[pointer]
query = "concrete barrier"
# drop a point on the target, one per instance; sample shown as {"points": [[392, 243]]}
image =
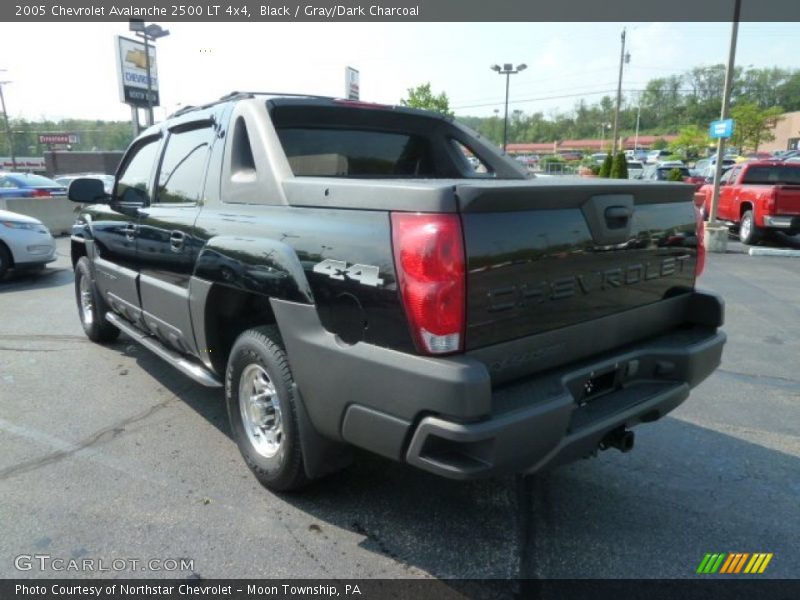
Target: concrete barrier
{"points": [[58, 214]]}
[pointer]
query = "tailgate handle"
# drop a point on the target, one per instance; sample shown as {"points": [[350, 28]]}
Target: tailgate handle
{"points": [[617, 216]]}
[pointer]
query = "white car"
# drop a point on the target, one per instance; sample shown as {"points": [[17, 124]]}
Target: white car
{"points": [[635, 169], [24, 242]]}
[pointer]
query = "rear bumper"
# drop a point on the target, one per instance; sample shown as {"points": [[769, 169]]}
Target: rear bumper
{"points": [[790, 222], [476, 415], [546, 421]]}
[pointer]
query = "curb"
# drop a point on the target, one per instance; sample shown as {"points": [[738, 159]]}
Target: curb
{"points": [[774, 252]]}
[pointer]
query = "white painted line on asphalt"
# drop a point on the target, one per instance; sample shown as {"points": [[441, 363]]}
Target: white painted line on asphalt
{"points": [[774, 252]]}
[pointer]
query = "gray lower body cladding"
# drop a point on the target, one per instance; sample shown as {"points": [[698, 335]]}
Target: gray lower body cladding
{"points": [[453, 417]]}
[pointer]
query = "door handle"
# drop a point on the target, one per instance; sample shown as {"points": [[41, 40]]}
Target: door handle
{"points": [[176, 240], [130, 232]]}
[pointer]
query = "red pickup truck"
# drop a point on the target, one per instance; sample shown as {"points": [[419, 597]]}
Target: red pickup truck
{"points": [[758, 197]]}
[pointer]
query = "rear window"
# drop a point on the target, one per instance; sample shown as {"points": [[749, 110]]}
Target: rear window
{"points": [[317, 152], [773, 175]]}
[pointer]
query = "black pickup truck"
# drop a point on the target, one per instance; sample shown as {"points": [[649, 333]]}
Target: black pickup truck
{"points": [[381, 277]]}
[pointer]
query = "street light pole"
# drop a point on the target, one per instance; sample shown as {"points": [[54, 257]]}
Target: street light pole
{"points": [[619, 94], [149, 33], [8, 127], [149, 80], [508, 70]]}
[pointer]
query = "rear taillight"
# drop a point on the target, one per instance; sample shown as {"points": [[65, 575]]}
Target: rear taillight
{"points": [[40, 194], [772, 200], [700, 265], [429, 259]]}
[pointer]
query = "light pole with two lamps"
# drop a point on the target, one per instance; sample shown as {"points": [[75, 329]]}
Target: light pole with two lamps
{"points": [[508, 70], [149, 33]]}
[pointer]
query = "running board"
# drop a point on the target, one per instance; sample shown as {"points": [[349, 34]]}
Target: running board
{"points": [[198, 373]]}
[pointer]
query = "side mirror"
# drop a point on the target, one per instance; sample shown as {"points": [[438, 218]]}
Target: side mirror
{"points": [[88, 190]]}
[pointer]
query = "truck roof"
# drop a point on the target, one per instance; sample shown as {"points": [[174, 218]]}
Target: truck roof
{"points": [[287, 99]]}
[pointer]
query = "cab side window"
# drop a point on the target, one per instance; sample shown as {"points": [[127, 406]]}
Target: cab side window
{"points": [[132, 186], [182, 172]]}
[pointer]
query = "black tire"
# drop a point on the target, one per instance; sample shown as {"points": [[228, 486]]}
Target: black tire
{"points": [[257, 357], [748, 232], [93, 317], [5, 260]]}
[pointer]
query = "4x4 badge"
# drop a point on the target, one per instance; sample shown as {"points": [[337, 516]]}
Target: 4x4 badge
{"points": [[338, 269]]}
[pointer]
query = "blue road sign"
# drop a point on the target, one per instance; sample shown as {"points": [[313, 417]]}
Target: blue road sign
{"points": [[721, 129]]}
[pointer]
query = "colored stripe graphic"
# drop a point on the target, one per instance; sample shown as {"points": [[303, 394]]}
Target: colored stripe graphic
{"points": [[726, 567], [740, 564], [734, 563], [703, 563], [765, 563], [711, 563]]}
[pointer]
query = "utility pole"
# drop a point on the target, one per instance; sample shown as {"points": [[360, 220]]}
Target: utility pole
{"points": [[8, 127], [726, 100], [638, 117], [622, 61]]}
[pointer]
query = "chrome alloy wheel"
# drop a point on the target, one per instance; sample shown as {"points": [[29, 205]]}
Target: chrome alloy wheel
{"points": [[87, 303], [260, 411], [745, 229]]}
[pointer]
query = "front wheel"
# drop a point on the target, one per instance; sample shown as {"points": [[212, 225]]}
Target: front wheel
{"points": [[749, 233], [262, 411], [92, 308]]}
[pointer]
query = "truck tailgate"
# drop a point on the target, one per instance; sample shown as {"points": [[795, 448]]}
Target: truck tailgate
{"points": [[542, 255], [787, 200]]}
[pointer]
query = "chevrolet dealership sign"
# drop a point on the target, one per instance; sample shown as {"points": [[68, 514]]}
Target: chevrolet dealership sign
{"points": [[132, 72]]}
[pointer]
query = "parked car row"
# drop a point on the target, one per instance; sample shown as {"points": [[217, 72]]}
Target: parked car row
{"points": [[30, 185]]}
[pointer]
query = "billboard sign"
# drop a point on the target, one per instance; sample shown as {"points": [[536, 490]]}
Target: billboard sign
{"points": [[132, 72], [351, 90]]}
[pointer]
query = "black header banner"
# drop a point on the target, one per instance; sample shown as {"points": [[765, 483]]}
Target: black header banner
{"points": [[399, 10]]}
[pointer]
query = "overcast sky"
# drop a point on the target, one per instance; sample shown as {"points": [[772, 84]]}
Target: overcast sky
{"points": [[61, 70]]}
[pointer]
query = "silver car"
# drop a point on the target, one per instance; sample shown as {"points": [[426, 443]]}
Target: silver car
{"points": [[24, 242]]}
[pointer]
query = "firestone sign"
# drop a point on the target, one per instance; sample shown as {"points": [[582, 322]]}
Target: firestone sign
{"points": [[58, 138], [132, 72]]}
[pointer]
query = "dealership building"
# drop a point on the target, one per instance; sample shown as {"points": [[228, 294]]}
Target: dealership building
{"points": [[786, 132]]}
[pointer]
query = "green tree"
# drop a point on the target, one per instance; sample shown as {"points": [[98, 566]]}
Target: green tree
{"points": [[660, 144], [605, 168], [753, 125], [619, 166], [422, 97], [691, 141]]}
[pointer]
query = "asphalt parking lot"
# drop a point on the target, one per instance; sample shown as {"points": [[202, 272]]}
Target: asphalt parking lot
{"points": [[107, 452]]}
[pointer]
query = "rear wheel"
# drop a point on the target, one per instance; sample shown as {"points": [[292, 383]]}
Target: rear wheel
{"points": [[262, 409], [92, 308], [748, 232]]}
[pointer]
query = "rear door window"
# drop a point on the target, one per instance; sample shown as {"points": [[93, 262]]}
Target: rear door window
{"points": [[182, 171]]}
